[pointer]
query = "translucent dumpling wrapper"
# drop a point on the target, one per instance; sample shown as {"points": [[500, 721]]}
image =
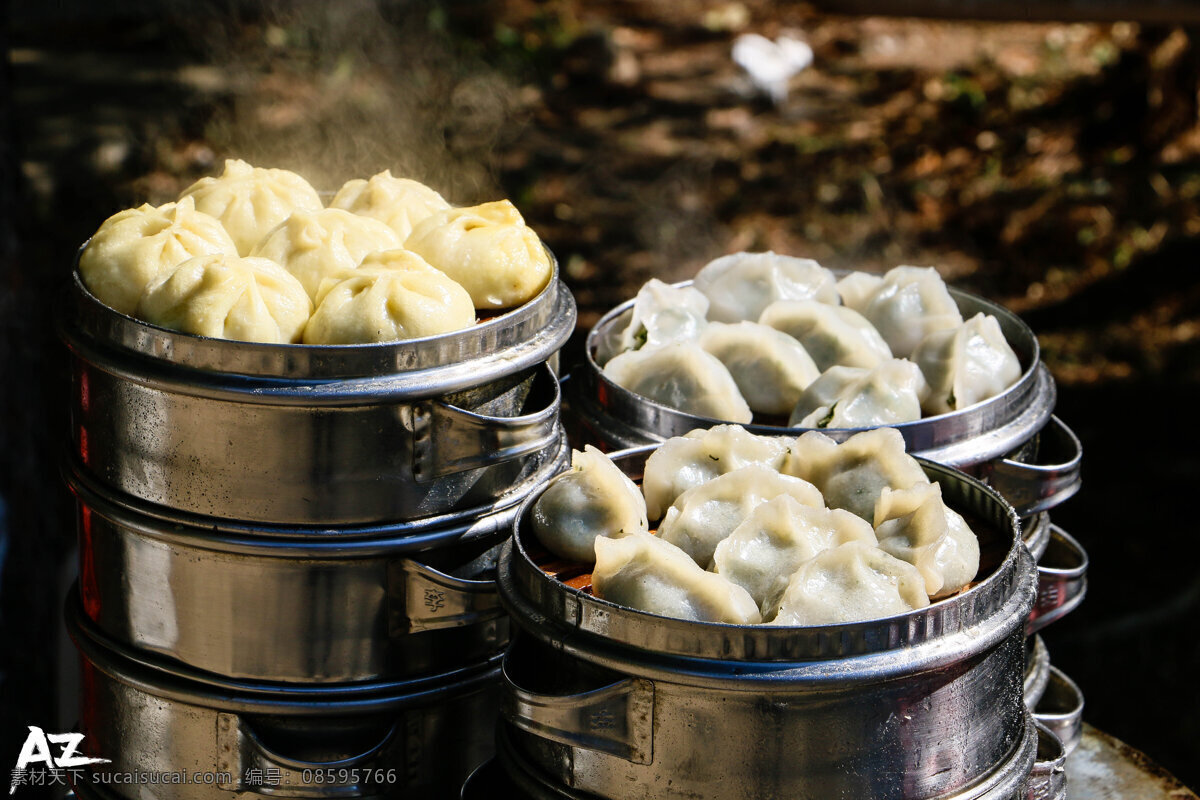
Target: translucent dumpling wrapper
{"points": [[857, 288], [966, 365], [779, 535], [664, 314], [853, 474], [392, 295], [740, 286], [849, 397], [682, 462], [852, 582], [317, 245], [908, 304], [915, 525], [770, 368], [399, 203], [135, 246], [832, 335], [643, 572], [487, 248], [681, 376], [704, 515], [592, 499], [251, 201], [228, 297]]}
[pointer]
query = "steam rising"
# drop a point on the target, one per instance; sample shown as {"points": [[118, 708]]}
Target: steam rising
{"points": [[344, 90]]}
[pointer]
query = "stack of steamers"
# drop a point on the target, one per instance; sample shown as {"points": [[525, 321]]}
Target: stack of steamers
{"points": [[287, 552], [290, 557]]}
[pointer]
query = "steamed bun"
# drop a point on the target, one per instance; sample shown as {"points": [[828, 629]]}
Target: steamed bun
{"points": [[250, 201], [135, 246], [313, 246], [399, 203], [227, 297], [488, 249], [392, 295]]}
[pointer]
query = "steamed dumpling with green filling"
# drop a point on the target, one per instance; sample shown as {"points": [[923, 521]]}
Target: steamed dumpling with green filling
{"points": [[848, 583], [916, 526], [251, 201], [488, 249], [740, 286], [135, 246], [771, 369], [591, 499], [704, 515], [849, 397], [643, 572], [832, 335], [313, 246], [851, 475], [682, 462], [400, 203], [682, 376], [966, 365], [228, 297], [905, 306], [392, 295]]}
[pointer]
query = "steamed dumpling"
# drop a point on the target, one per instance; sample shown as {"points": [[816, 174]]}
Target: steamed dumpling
{"points": [[849, 583], [314, 246], [251, 201], [135, 246], [682, 462], [488, 249], [663, 314], [771, 369], [704, 515], [593, 498], [908, 304], [916, 526], [779, 535], [399, 203], [966, 365], [832, 335], [392, 295], [227, 297], [851, 475], [848, 397], [643, 572], [857, 288], [740, 286], [681, 376]]}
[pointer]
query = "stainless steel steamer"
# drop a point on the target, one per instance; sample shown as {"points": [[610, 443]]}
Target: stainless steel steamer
{"points": [[621, 704], [1001, 440], [298, 604], [418, 738], [315, 435]]}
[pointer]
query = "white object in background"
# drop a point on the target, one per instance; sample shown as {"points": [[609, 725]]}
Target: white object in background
{"points": [[771, 64]]}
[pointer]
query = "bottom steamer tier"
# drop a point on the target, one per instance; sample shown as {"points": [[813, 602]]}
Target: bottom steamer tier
{"points": [[417, 738], [604, 701]]}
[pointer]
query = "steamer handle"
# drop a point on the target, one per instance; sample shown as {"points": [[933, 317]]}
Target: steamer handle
{"points": [[1061, 709], [617, 719], [1036, 487], [257, 768], [449, 439], [1048, 779], [432, 600], [1062, 580]]}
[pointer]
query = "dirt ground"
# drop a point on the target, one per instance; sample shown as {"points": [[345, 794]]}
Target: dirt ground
{"points": [[1054, 168]]}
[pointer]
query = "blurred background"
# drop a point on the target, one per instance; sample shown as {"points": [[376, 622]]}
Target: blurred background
{"points": [[1051, 166]]}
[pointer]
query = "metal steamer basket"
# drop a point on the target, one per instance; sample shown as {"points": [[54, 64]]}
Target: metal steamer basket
{"points": [[606, 701], [315, 435], [186, 735], [295, 605], [1011, 441]]}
